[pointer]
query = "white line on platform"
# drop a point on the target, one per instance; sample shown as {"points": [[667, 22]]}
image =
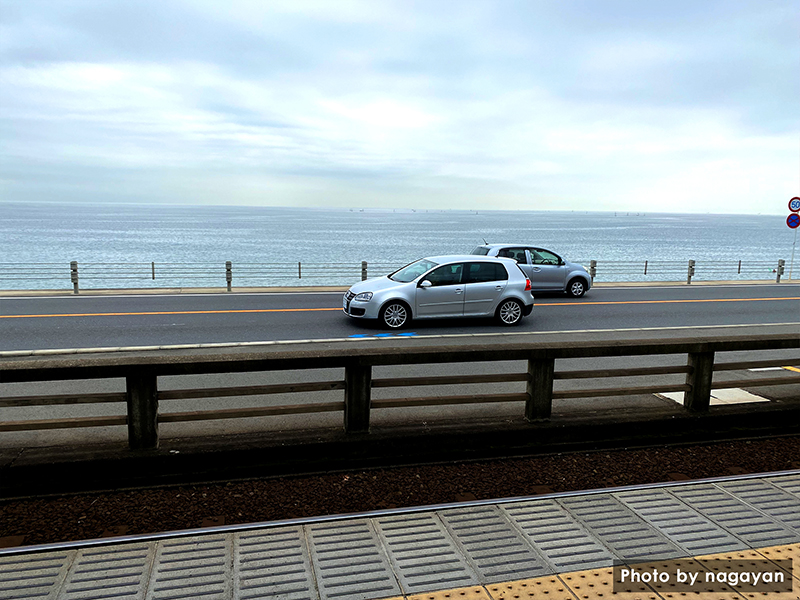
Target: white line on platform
{"points": [[52, 351]]}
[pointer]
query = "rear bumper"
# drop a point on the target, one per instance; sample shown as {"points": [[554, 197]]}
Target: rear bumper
{"points": [[528, 309]]}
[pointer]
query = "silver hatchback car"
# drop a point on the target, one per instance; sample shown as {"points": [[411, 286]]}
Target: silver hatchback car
{"points": [[547, 271], [443, 286]]}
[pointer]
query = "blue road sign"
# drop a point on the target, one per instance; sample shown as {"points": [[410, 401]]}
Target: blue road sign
{"points": [[793, 220], [794, 205]]}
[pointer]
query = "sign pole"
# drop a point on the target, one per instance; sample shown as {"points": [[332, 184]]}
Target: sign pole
{"points": [[793, 221]]}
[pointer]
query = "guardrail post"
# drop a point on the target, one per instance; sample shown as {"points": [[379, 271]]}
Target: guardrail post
{"points": [[228, 274], [363, 270], [781, 264], [645, 267], [299, 271], [690, 272], [540, 388], [142, 391], [357, 397], [73, 275], [592, 269], [701, 370], [153, 270]]}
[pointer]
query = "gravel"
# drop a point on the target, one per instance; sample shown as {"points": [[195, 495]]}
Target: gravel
{"points": [[87, 516]]}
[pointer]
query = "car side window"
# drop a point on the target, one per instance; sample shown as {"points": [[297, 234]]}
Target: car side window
{"points": [[543, 257], [485, 271], [518, 254], [446, 275]]}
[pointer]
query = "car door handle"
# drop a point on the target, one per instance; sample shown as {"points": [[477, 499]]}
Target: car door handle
{"points": [[458, 290], [536, 269], [498, 287]]}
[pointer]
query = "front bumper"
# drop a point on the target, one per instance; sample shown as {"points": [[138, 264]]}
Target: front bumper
{"points": [[358, 310]]}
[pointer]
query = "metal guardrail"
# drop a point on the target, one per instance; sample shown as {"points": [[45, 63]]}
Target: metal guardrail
{"points": [[249, 274], [142, 395]]}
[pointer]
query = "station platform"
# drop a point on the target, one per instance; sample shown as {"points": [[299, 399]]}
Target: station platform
{"points": [[556, 546]]}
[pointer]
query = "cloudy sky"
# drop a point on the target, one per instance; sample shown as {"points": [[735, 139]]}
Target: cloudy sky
{"points": [[668, 106]]}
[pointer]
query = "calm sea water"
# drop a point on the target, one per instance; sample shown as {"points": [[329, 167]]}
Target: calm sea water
{"points": [[266, 243]]}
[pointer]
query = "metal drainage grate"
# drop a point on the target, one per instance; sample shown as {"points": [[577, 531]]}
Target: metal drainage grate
{"points": [[115, 571], [496, 548], [788, 483], [740, 519], [423, 554], [36, 575], [273, 564], [198, 567], [767, 498], [557, 535], [628, 536], [679, 523], [349, 562]]}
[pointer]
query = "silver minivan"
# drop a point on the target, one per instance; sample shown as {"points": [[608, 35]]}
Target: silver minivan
{"points": [[443, 287], [547, 271]]}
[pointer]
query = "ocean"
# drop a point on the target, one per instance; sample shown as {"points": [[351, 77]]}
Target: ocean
{"points": [[123, 245]]}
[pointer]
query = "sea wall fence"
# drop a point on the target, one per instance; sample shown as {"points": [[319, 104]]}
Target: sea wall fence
{"points": [[697, 371], [90, 275]]}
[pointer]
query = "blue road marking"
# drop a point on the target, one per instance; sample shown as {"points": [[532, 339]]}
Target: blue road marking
{"points": [[384, 335]]}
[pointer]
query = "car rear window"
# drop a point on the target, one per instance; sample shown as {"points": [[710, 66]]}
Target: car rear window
{"points": [[479, 272], [481, 251]]}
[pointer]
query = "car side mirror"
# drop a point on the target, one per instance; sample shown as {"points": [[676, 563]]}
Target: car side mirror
{"points": [[425, 284]]}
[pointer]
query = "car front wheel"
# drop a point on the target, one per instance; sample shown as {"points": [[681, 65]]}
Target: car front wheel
{"points": [[576, 288], [395, 315], [509, 312]]}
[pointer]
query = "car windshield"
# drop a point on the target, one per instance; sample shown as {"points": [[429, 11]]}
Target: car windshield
{"points": [[481, 250], [411, 272]]}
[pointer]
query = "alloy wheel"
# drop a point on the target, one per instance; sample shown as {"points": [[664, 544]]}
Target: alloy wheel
{"points": [[395, 316], [510, 312]]}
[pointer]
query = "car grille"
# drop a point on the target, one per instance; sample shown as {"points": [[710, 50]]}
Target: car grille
{"points": [[349, 296]]}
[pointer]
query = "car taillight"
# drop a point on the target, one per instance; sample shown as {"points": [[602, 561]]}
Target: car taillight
{"points": [[527, 285]]}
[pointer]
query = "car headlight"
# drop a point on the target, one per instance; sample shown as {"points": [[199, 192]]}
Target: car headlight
{"points": [[364, 297]]}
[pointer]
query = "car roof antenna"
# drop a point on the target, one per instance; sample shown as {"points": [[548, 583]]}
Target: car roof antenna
{"points": [[485, 243]]}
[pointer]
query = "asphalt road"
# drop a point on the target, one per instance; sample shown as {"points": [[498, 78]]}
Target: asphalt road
{"points": [[29, 323]]}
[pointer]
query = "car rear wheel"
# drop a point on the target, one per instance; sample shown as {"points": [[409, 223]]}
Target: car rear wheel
{"points": [[576, 288], [395, 315], [509, 312]]}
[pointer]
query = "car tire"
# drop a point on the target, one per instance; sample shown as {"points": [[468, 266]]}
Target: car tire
{"points": [[509, 312], [395, 315], [576, 287]]}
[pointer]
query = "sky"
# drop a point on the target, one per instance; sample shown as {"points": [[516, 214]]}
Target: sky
{"points": [[668, 106]]}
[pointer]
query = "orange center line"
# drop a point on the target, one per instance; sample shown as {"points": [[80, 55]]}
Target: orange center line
{"points": [[279, 310], [171, 312], [666, 301]]}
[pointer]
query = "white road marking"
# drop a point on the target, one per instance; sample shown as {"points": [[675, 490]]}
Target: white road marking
{"points": [[719, 397], [11, 353]]}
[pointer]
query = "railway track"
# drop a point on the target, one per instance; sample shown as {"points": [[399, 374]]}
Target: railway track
{"points": [[57, 519]]}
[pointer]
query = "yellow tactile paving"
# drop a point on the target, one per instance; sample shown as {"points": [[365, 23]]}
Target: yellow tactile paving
{"points": [[475, 592], [599, 583], [669, 591], [782, 553], [540, 588]]}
